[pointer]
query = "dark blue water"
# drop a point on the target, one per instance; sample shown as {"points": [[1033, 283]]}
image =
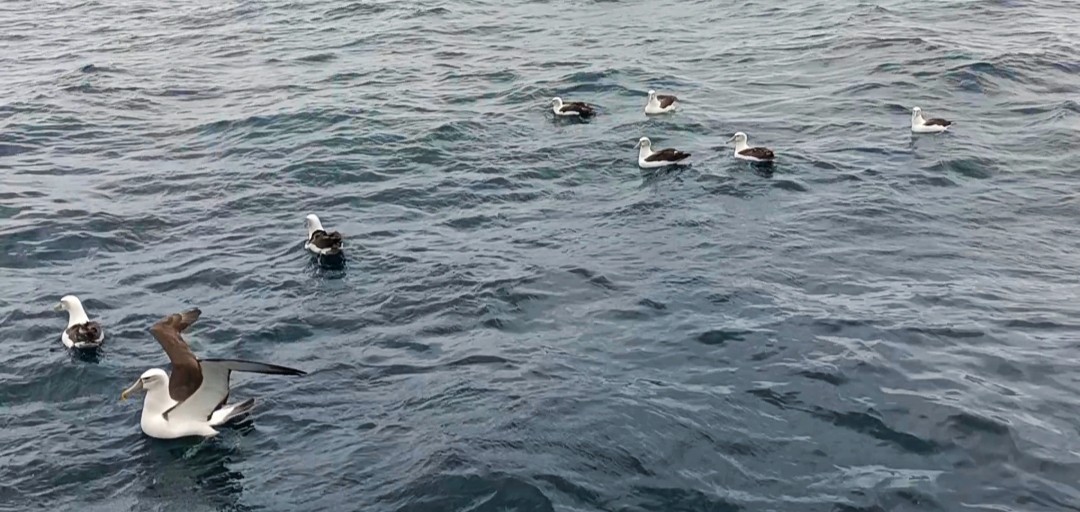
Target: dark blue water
{"points": [[527, 321]]}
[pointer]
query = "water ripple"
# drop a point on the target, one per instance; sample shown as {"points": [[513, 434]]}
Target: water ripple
{"points": [[525, 320]]}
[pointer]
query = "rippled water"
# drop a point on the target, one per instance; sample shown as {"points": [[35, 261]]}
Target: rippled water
{"points": [[527, 321]]}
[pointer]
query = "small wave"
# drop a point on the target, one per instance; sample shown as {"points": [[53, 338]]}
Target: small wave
{"points": [[355, 9], [593, 278], [318, 57], [93, 68], [664, 498], [88, 88], [871, 424], [14, 149], [832, 376], [721, 336], [469, 492], [790, 186], [974, 167], [913, 44], [431, 11]]}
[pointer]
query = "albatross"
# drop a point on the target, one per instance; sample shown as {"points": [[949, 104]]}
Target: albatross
{"points": [[80, 332], [649, 159], [745, 152], [922, 125], [660, 103], [191, 401], [571, 108], [319, 241]]}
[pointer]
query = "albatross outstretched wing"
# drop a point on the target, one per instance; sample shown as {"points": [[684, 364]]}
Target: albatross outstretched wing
{"points": [[200, 386], [214, 390], [186, 374]]}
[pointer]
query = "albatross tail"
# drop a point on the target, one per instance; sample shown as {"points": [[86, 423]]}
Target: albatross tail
{"points": [[225, 414]]}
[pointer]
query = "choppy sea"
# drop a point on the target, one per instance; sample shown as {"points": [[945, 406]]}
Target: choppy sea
{"points": [[527, 321]]}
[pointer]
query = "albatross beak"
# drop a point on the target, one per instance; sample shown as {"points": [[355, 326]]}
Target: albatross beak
{"points": [[731, 140], [134, 387], [58, 307]]}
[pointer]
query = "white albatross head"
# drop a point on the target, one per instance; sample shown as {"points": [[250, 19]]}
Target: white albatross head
{"points": [[153, 381], [643, 143], [76, 313], [652, 94], [557, 102], [313, 224], [740, 141], [916, 113]]}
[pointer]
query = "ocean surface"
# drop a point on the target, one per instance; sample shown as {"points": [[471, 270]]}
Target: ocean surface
{"points": [[528, 322]]}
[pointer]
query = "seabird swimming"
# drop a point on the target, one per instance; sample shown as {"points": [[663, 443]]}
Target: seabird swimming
{"points": [[190, 402], [649, 159], [319, 241], [922, 125], [573, 108], [80, 331], [745, 152], [660, 103]]}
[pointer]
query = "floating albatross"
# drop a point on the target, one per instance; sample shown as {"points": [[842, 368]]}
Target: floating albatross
{"points": [[572, 108], [745, 152], [319, 241], [649, 159], [660, 103], [191, 401], [919, 124], [80, 331]]}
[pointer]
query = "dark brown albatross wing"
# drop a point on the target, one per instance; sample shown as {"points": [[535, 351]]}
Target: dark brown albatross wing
{"points": [[88, 333], [667, 155], [759, 153], [583, 109], [186, 374], [323, 240], [666, 100], [937, 121]]}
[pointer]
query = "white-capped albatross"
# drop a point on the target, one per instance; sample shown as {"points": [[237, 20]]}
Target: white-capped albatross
{"points": [[649, 159], [191, 401], [919, 124], [80, 332], [745, 152], [660, 103], [571, 108], [319, 241]]}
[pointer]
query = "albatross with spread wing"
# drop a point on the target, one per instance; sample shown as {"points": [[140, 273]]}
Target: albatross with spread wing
{"points": [[191, 401]]}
